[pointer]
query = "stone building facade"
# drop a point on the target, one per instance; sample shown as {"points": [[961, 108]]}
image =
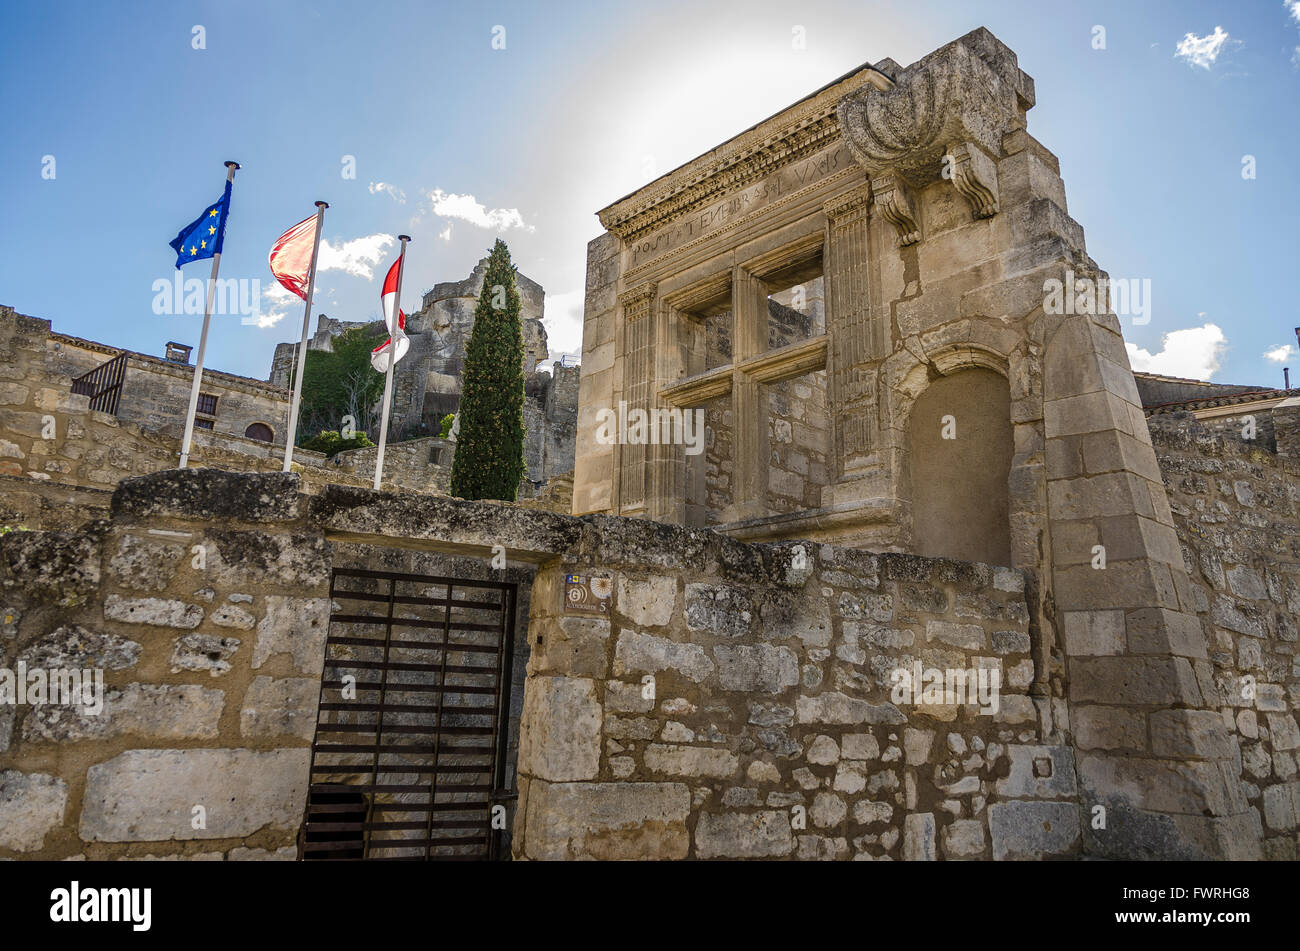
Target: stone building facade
{"points": [[1065, 631], [155, 391]]}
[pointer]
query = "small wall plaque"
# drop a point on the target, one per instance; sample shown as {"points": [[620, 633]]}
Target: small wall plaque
{"points": [[587, 594]]}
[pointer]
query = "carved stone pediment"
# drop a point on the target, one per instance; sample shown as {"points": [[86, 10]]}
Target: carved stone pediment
{"points": [[954, 97]]}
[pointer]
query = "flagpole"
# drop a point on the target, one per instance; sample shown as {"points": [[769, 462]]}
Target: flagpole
{"points": [[392, 361], [302, 346], [203, 342]]}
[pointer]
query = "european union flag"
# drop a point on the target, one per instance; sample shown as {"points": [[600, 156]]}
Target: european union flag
{"points": [[202, 237]]}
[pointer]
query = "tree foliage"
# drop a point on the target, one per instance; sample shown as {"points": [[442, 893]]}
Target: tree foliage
{"points": [[489, 459], [341, 382]]}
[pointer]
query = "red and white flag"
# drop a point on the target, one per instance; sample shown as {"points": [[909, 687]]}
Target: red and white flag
{"points": [[290, 257], [379, 356]]}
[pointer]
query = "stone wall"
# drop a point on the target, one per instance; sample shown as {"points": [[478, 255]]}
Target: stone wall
{"points": [[423, 465], [771, 666], [1236, 509], [743, 709], [212, 668]]}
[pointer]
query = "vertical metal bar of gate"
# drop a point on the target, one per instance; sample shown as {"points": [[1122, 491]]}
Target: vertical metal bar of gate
{"points": [[501, 739], [368, 828], [437, 723]]}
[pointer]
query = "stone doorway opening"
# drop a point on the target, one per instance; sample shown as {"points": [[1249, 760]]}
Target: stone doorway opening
{"points": [[410, 758]]}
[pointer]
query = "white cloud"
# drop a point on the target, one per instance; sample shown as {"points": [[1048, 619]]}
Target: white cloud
{"points": [[357, 257], [1293, 7], [468, 208], [1201, 50], [563, 322], [276, 304], [445, 233], [1280, 354], [1194, 352], [390, 189]]}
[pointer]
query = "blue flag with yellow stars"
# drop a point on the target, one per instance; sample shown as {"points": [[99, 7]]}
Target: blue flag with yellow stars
{"points": [[202, 237]]}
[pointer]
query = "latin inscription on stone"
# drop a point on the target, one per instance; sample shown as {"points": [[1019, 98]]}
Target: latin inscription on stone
{"points": [[778, 185]]}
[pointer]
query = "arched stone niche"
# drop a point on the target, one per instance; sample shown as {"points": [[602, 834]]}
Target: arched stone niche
{"points": [[959, 451]]}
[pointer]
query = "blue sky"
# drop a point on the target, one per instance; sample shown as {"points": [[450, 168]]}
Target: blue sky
{"points": [[586, 102]]}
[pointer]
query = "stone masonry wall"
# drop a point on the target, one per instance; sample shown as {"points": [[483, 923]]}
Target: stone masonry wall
{"points": [[742, 709], [209, 627], [1236, 508]]}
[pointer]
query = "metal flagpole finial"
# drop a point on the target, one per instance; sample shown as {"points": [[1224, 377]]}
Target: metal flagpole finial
{"points": [[233, 165], [403, 237], [322, 204]]}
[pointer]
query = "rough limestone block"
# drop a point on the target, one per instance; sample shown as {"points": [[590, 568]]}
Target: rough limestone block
{"points": [[963, 838], [574, 646], [836, 708], [916, 745], [757, 668], [31, 806], [76, 647], [719, 609], [643, 652], [744, 835], [1033, 830], [824, 751], [156, 711], [691, 761], [144, 565], [1092, 633], [294, 626], [203, 652], [160, 612], [1191, 734], [560, 729], [1108, 728], [150, 795], [621, 697], [918, 837], [280, 707], [647, 603], [1283, 732], [1279, 809], [965, 636], [1038, 772], [229, 615], [606, 821]]}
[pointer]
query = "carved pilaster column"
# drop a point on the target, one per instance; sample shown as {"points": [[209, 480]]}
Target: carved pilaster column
{"points": [[636, 392], [857, 340], [749, 315], [666, 461]]}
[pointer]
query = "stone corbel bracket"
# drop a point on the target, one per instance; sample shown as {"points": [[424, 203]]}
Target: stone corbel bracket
{"points": [[975, 175], [891, 196]]}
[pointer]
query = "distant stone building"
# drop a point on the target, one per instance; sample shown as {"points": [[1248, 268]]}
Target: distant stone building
{"points": [[427, 382], [155, 391]]}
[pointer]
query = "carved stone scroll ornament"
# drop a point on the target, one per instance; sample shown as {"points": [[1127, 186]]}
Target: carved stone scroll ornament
{"points": [[951, 96]]}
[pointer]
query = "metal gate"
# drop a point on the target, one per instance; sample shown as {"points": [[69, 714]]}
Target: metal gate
{"points": [[410, 749]]}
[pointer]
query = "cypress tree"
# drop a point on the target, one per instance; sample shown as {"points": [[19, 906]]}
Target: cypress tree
{"points": [[489, 459]]}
